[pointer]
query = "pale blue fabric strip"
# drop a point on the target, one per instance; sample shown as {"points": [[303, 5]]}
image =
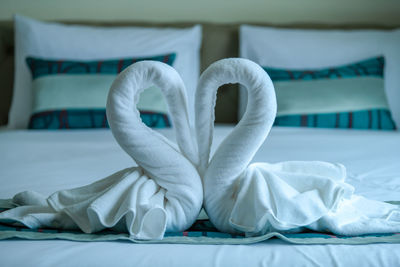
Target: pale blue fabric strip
{"points": [[330, 96], [54, 92]]}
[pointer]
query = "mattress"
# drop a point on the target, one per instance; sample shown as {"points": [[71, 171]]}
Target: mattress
{"points": [[46, 161]]}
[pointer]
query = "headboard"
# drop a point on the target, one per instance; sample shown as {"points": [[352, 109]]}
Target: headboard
{"points": [[219, 41]]}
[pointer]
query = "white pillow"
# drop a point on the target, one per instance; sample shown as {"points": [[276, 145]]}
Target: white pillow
{"points": [[77, 42], [307, 49]]}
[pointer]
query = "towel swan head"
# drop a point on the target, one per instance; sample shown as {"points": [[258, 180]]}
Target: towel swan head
{"points": [[124, 95], [172, 169], [221, 175]]}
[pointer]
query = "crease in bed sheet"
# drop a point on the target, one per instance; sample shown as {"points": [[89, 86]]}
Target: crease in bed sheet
{"points": [[272, 254], [197, 238]]}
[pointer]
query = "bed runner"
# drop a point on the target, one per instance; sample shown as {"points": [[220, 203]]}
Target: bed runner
{"points": [[201, 232]]}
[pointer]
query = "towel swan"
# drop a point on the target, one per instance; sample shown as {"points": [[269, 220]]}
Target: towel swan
{"points": [[163, 194], [262, 197], [173, 170]]}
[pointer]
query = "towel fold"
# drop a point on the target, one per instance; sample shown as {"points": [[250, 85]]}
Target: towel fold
{"points": [[260, 197], [164, 193]]}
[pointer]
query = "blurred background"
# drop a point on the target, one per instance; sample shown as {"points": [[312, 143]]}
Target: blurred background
{"points": [[385, 12]]}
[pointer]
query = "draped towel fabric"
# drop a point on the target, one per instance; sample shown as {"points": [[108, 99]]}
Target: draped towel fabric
{"points": [[260, 197]]}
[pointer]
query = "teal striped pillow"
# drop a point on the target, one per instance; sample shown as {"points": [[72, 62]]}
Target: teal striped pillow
{"points": [[350, 96], [72, 94]]}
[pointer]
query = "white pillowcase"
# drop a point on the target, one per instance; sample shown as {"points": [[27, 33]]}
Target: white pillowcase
{"points": [[77, 42], [310, 49]]}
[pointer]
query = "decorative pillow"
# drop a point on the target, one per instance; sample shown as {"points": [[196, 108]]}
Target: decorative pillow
{"points": [[73, 94], [317, 49], [350, 96], [87, 43]]}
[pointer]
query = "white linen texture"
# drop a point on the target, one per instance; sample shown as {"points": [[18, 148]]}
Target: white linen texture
{"points": [[262, 197], [315, 49], [165, 193], [52, 40]]}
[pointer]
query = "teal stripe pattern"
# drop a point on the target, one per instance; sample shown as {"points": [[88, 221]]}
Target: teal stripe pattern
{"points": [[201, 232], [376, 119], [87, 118], [370, 67], [41, 67], [372, 119]]}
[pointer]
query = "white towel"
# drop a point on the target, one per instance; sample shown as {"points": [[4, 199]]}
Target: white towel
{"points": [[163, 194], [262, 197]]}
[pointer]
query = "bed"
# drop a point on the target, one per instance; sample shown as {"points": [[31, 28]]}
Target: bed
{"points": [[77, 158], [46, 161]]}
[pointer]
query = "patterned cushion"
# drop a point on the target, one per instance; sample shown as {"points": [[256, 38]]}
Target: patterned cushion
{"points": [[73, 94], [350, 96]]}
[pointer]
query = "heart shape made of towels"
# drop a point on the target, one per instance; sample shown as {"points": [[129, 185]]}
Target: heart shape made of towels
{"points": [[165, 192], [258, 198]]}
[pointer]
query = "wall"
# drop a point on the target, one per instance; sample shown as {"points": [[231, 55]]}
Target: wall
{"points": [[384, 12]]}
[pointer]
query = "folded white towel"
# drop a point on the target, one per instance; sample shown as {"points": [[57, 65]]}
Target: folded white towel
{"points": [[262, 197], [163, 194]]}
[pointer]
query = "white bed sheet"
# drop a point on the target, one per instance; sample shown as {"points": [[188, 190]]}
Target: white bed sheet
{"points": [[46, 161]]}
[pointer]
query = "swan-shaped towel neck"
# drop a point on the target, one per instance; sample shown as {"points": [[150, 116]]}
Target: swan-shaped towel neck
{"points": [[124, 118], [259, 115]]}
